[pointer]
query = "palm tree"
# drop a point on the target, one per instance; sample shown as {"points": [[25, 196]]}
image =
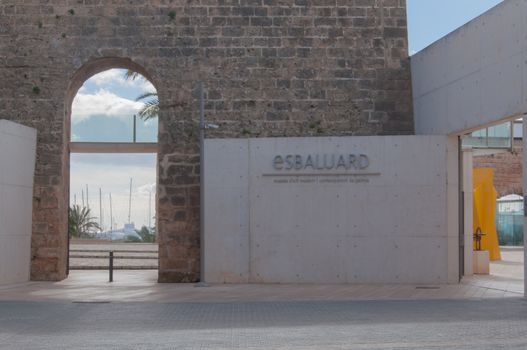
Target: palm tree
{"points": [[80, 221], [150, 109], [146, 234], [150, 99]]}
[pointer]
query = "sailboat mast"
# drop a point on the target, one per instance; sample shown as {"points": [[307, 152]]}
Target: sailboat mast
{"points": [[150, 209], [100, 208], [111, 213], [130, 203]]}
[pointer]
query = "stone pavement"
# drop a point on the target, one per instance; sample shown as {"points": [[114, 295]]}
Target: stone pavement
{"points": [[324, 325], [506, 274], [142, 286], [135, 312]]}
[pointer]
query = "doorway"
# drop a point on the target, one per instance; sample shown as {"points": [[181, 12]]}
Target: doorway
{"points": [[493, 187], [113, 161]]}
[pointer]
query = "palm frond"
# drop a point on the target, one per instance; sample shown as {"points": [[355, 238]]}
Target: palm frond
{"points": [[131, 75], [150, 109], [146, 95], [81, 222]]}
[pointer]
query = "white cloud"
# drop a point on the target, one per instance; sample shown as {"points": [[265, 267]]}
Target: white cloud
{"points": [[145, 190], [108, 77], [103, 102], [116, 76]]}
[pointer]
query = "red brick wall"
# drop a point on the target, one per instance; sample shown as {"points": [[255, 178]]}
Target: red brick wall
{"points": [[508, 171]]}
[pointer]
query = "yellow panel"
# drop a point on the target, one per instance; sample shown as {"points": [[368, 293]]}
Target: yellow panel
{"points": [[485, 196]]}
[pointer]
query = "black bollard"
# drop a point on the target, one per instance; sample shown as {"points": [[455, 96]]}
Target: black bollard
{"points": [[111, 266]]}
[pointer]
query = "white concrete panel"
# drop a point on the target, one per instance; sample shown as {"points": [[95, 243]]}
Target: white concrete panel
{"points": [[468, 192], [14, 261], [430, 111], [16, 203], [501, 88], [474, 76], [226, 211], [388, 225], [398, 260], [15, 150], [452, 208], [17, 166]]}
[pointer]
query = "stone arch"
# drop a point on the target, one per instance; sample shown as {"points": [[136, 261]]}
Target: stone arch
{"points": [[93, 67], [84, 73]]}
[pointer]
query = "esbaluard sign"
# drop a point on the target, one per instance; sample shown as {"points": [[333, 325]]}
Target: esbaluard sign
{"points": [[321, 162], [321, 169]]}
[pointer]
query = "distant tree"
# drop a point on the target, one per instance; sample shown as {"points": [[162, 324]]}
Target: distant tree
{"points": [[81, 223], [150, 99], [132, 239], [146, 234]]}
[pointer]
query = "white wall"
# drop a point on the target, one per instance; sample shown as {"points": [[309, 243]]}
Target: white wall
{"points": [[17, 167], [468, 201], [392, 228], [474, 76]]}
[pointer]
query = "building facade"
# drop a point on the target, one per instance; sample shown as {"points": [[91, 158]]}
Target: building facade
{"points": [[270, 69]]}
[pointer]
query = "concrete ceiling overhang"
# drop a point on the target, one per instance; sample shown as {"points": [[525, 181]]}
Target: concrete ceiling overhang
{"points": [[474, 77]]}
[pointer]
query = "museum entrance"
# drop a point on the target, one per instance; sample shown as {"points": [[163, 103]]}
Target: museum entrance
{"points": [[494, 207], [112, 178]]}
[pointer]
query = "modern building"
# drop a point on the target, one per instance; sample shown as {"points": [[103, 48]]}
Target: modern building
{"points": [[337, 159]]}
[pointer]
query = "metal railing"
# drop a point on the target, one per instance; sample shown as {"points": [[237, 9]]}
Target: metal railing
{"points": [[112, 255]]}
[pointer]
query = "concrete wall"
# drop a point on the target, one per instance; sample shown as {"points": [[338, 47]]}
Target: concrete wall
{"points": [[474, 76], [468, 210], [17, 168], [393, 222]]}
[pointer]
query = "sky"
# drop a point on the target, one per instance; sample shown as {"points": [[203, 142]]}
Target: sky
{"points": [[430, 20], [103, 110], [104, 106]]}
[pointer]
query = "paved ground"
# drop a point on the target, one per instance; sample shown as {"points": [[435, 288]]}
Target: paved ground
{"points": [[511, 264], [506, 274], [436, 324], [135, 312], [142, 286]]}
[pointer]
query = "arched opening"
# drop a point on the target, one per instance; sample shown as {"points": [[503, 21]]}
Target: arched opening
{"points": [[111, 133]]}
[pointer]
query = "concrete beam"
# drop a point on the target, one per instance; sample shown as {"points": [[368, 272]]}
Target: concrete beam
{"points": [[113, 147], [474, 77]]}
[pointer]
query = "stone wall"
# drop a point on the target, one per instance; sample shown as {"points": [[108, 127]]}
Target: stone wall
{"points": [[507, 171], [270, 68]]}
